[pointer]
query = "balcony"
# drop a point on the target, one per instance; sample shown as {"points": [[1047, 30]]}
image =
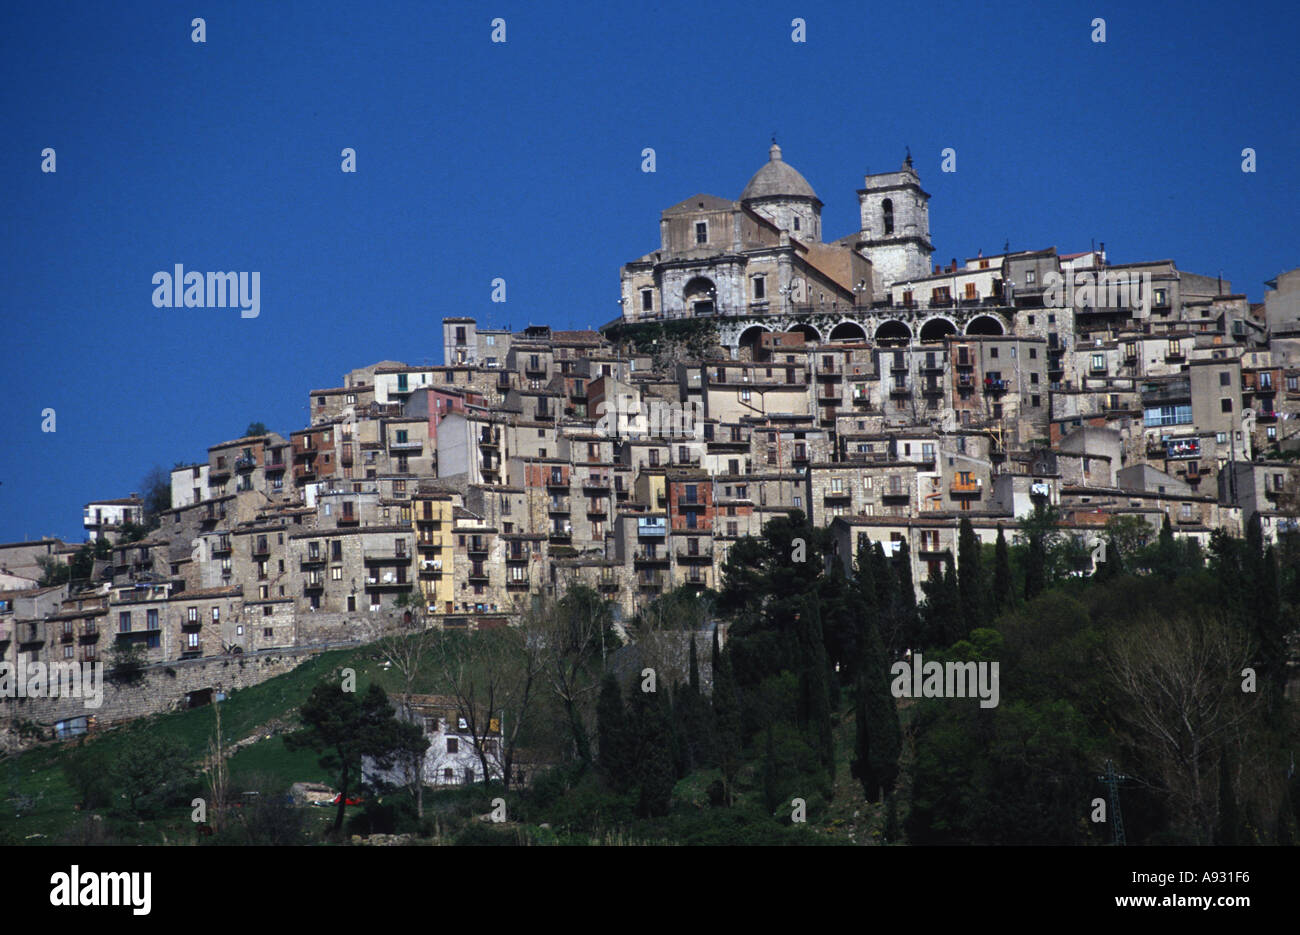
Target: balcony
{"points": [[220, 470], [244, 464], [1174, 356], [965, 361], [416, 445], [895, 494], [650, 583], [657, 527], [597, 508], [476, 545], [607, 583], [388, 580], [837, 495], [261, 547], [995, 386], [558, 508], [221, 547], [311, 561], [385, 557], [971, 488], [647, 557], [932, 388], [900, 391], [479, 575], [686, 556], [517, 584], [314, 583], [558, 480], [492, 440], [544, 415], [349, 519], [561, 536], [431, 567], [1265, 415], [596, 483]]}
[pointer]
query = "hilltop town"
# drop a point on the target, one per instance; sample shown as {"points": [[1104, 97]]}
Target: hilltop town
{"points": [[756, 369]]}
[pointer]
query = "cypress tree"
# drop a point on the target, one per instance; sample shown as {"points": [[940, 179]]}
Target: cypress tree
{"points": [[814, 690], [1035, 566], [908, 620], [694, 668], [726, 717], [613, 736], [879, 740], [970, 578], [657, 773], [1004, 592]]}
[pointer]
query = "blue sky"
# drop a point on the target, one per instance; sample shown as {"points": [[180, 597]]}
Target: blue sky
{"points": [[522, 160]]}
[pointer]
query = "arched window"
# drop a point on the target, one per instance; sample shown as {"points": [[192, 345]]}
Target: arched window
{"points": [[887, 210]]}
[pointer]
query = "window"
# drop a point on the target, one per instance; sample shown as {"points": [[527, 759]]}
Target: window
{"points": [[1031, 276], [887, 215], [193, 615], [453, 745], [1223, 378], [1225, 405], [701, 232], [796, 222], [760, 288], [647, 300], [124, 622]]}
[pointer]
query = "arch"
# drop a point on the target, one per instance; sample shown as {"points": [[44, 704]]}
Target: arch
{"points": [[984, 324], [848, 331], [810, 334], [936, 329], [893, 332], [752, 338], [700, 295]]}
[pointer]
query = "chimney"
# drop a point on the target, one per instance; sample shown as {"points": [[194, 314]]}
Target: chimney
{"points": [[937, 269]]}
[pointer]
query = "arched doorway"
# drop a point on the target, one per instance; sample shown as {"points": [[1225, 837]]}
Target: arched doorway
{"points": [[893, 333], [701, 296], [984, 324], [936, 329], [848, 331]]}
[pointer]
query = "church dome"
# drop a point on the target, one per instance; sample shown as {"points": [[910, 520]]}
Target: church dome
{"points": [[777, 179]]}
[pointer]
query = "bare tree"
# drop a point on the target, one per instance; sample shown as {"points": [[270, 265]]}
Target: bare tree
{"points": [[571, 634], [1181, 701], [493, 676], [406, 646], [218, 778]]}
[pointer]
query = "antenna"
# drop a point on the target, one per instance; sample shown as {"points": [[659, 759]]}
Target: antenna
{"points": [[1112, 781]]}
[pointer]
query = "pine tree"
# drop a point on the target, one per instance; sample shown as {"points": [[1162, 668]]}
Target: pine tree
{"points": [[612, 735], [970, 579], [1004, 592]]}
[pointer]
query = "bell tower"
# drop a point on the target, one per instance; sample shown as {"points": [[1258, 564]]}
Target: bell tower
{"points": [[895, 233]]}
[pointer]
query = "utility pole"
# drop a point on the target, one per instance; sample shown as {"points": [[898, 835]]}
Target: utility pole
{"points": [[1112, 781]]}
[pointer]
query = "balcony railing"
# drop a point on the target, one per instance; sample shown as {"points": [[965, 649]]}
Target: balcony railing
{"points": [[646, 557], [415, 445], [971, 488], [245, 464]]}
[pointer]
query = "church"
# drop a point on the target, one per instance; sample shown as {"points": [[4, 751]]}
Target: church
{"points": [[764, 253]]}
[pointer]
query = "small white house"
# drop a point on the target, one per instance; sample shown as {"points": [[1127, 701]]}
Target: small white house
{"points": [[452, 758]]}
